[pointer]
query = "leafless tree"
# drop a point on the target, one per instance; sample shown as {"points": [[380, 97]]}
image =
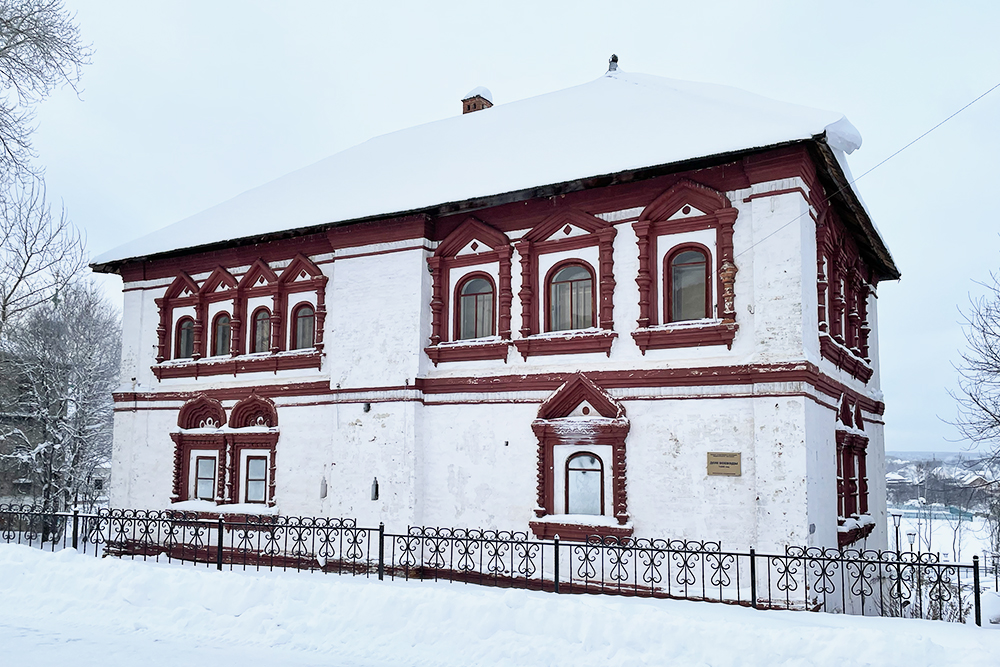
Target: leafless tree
{"points": [[979, 372], [60, 369], [40, 49], [39, 254]]}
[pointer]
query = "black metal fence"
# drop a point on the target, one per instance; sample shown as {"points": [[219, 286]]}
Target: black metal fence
{"points": [[879, 583]]}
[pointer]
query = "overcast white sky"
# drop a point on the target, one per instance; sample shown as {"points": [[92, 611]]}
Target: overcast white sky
{"points": [[186, 104]]}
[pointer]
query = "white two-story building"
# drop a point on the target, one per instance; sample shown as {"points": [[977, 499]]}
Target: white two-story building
{"points": [[637, 306]]}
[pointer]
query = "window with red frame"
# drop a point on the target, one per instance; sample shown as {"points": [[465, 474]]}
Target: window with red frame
{"points": [[204, 473], [184, 348], [584, 484], [475, 309], [256, 480], [571, 298], [852, 479], [303, 327], [687, 286], [261, 335], [221, 334]]}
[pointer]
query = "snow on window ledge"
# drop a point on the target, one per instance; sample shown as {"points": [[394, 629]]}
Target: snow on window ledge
{"points": [[578, 341], [695, 333], [246, 363]]}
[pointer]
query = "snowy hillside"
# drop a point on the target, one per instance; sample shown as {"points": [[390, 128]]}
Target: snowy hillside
{"points": [[65, 608]]}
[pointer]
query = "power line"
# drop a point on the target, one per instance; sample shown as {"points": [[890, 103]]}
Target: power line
{"points": [[852, 182]]}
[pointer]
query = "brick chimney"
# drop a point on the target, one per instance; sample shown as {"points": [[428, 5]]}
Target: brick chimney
{"points": [[477, 99]]}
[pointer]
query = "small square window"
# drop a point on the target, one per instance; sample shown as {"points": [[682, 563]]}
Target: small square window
{"points": [[256, 480], [205, 478]]}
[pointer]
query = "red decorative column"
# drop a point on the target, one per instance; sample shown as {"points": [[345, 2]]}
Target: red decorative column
{"points": [[200, 313], [277, 321], [437, 299], [607, 262], [644, 277], [162, 329], [236, 324], [526, 293], [320, 311], [727, 263], [506, 293]]}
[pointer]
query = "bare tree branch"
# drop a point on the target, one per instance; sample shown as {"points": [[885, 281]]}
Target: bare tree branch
{"points": [[40, 49], [39, 254]]}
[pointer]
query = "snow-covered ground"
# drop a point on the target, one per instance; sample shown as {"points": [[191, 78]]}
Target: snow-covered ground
{"points": [[67, 608]]}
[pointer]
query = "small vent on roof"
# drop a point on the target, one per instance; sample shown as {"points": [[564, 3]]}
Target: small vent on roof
{"points": [[477, 99], [613, 63]]}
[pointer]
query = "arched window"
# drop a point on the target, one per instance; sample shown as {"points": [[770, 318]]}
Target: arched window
{"points": [[303, 324], [184, 348], [221, 331], [260, 336], [571, 298], [475, 309], [687, 286], [584, 485]]}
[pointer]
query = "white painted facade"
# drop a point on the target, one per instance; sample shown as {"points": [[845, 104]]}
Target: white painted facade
{"points": [[469, 458]]}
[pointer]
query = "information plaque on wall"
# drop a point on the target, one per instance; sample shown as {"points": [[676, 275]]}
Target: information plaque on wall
{"points": [[726, 464]]}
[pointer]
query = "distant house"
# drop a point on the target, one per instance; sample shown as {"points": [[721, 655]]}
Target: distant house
{"points": [[638, 306]]}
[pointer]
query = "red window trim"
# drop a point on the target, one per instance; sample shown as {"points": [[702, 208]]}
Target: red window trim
{"points": [[569, 458], [547, 301], [252, 340], [247, 480], [229, 445], [655, 222], [177, 337], [301, 275], [844, 282], [495, 248], [294, 329], [215, 333], [550, 430], [668, 278], [214, 477], [457, 300]]}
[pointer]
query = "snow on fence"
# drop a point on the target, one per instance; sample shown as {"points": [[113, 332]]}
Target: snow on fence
{"points": [[880, 583]]}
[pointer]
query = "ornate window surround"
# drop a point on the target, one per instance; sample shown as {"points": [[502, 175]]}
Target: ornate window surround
{"points": [[300, 276], [608, 427], [668, 277], [547, 286], [252, 429], [457, 300], [843, 282], [544, 238], [461, 249], [671, 213]]}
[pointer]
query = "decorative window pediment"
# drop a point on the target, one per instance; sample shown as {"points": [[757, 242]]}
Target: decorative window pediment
{"points": [[473, 249], [568, 230], [254, 410], [301, 268], [258, 275], [201, 412], [220, 281], [581, 431], [687, 208], [183, 286], [577, 393]]}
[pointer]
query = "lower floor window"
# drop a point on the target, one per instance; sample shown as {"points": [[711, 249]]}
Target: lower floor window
{"points": [[205, 478], [256, 479], [584, 485], [225, 468], [852, 476]]}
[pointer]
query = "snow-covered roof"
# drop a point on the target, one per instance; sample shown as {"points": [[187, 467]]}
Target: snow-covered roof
{"points": [[618, 122], [481, 91]]}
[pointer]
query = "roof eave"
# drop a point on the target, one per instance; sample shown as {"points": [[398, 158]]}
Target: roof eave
{"points": [[836, 182]]}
